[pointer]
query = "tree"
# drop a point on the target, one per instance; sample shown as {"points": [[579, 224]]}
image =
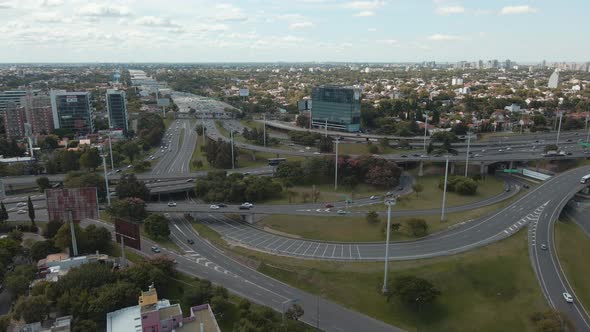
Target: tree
{"points": [[90, 159], [418, 227], [131, 208], [302, 121], [412, 291], [418, 188], [294, 312], [3, 212], [18, 280], [156, 226], [130, 186], [130, 149], [552, 321], [372, 217], [32, 308], [550, 147], [31, 209], [41, 249], [52, 227], [85, 325], [84, 179], [43, 183]]}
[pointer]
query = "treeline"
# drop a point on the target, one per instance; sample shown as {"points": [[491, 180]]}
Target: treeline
{"points": [[217, 186], [351, 172], [459, 184], [218, 153], [150, 130], [257, 136]]}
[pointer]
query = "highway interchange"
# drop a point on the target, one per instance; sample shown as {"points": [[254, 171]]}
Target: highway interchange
{"points": [[537, 209]]}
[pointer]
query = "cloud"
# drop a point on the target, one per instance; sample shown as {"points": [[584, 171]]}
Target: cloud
{"points": [[51, 3], [152, 21], [372, 29], [365, 5], [387, 41], [441, 37], [524, 9], [449, 10], [6, 5], [290, 17], [104, 10], [230, 13], [301, 25], [51, 17], [365, 13]]}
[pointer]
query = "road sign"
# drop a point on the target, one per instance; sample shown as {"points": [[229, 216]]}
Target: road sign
{"points": [[508, 170], [584, 144]]}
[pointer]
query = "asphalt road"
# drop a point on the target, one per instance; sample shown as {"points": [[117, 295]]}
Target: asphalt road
{"points": [[179, 150]]}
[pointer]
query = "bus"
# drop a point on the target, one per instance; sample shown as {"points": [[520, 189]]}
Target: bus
{"points": [[585, 179]]}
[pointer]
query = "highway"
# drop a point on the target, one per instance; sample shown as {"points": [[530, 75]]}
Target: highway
{"points": [[179, 150]]}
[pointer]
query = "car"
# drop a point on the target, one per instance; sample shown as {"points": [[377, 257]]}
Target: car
{"points": [[301, 151], [415, 155], [242, 207], [156, 249], [171, 204], [568, 297], [476, 155], [152, 158], [221, 205], [316, 152], [389, 193], [247, 204], [246, 173], [526, 186], [404, 156], [508, 148], [342, 212], [374, 197], [21, 211], [400, 188], [190, 241], [500, 150], [190, 180], [543, 246], [507, 189], [328, 206], [21, 204], [129, 166], [483, 150], [214, 207], [569, 153], [569, 140], [118, 171]]}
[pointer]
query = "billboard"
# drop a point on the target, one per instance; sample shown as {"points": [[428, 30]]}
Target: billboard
{"points": [[163, 102], [244, 92], [130, 232], [82, 202]]}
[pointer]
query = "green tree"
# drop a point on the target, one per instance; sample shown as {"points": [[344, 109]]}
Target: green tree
{"points": [[43, 183], [417, 227], [550, 147], [18, 280], [418, 188], [130, 149], [3, 212], [85, 325], [52, 227], [372, 217], [130, 186], [32, 308], [41, 249], [90, 159], [31, 209], [294, 312], [552, 321], [132, 209], [156, 226], [412, 291], [84, 179]]}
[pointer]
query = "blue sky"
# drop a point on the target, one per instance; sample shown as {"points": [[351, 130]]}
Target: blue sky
{"points": [[293, 30]]}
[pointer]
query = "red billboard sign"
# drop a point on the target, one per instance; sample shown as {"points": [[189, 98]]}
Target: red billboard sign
{"points": [[82, 202], [130, 232]]}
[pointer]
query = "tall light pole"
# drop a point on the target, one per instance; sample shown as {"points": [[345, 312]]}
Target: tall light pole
{"points": [[559, 128], [264, 128], [467, 158], [106, 177], [442, 217], [425, 130], [336, 165], [588, 129], [390, 202], [231, 138], [111, 150]]}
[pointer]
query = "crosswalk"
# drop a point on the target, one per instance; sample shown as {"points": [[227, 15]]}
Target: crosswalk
{"points": [[531, 218], [197, 258]]}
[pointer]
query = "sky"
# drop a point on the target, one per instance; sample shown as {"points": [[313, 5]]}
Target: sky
{"points": [[293, 30]]}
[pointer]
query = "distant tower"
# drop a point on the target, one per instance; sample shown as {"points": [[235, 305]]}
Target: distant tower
{"points": [[553, 80]]}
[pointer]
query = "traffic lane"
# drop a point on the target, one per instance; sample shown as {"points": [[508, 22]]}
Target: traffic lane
{"points": [[171, 147], [333, 317]]}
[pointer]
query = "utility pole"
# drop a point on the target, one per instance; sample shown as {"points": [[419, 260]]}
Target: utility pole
{"points": [[72, 232], [390, 202], [264, 130], [559, 128], [425, 130], [467, 158], [231, 137], [111, 149], [336, 165], [442, 217], [318, 312], [326, 129], [588, 129], [106, 177]]}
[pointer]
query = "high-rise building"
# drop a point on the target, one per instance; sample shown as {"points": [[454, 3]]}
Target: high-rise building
{"points": [[507, 64], [553, 80], [71, 111], [117, 109], [337, 107], [14, 121], [11, 97], [38, 112]]}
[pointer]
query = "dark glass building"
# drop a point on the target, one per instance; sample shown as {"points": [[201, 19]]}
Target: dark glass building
{"points": [[71, 111], [117, 108], [338, 107]]}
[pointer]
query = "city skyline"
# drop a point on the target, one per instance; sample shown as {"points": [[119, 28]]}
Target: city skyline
{"points": [[301, 31]]}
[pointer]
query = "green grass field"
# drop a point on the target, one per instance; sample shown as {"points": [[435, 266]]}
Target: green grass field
{"points": [[357, 229], [199, 155], [363, 148], [572, 242], [488, 289], [327, 193]]}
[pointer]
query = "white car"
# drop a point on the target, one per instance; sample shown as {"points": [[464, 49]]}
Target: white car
{"points": [[246, 204], [129, 166], [568, 297], [341, 212], [374, 197], [316, 152], [171, 204], [21, 211], [21, 204], [214, 207]]}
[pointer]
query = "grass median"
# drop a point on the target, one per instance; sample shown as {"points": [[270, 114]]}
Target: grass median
{"points": [[492, 288], [572, 242]]}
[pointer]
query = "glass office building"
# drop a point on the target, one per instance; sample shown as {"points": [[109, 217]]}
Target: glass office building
{"points": [[117, 108], [72, 112], [337, 107]]}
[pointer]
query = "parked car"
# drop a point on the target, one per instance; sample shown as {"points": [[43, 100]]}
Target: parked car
{"points": [[156, 249], [190, 180]]}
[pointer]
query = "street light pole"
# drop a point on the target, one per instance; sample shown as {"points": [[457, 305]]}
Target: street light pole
{"points": [[425, 130], [559, 128], [442, 217], [106, 177], [336, 165], [231, 137], [588, 129], [111, 150], [389, 202], [264, 130], [467, 158]]}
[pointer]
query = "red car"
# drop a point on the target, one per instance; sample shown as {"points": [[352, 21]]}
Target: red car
{"points": [[328, 206]]}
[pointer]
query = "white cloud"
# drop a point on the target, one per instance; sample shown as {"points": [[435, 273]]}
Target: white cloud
{"points": [[387, 41], [51, 3], [524, 9], [51, 17], [441, 37], [301, 25], [104, 10], [229, 13], [450, 10], [365, 5], [290, 17], [152, 21], [6, 5], [372, 29], [365, 13]]}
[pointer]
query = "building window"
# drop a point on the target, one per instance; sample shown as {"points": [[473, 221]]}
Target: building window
{"points": [[144, 317]]}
